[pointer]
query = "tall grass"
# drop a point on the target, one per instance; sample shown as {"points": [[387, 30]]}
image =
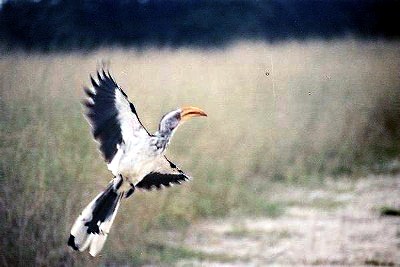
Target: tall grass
{"points": [[288, 112]]}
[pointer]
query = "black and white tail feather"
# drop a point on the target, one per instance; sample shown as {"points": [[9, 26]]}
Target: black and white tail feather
{"points": [[91, 228], [115, 123]]}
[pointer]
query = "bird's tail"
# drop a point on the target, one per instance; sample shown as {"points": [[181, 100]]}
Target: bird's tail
{"points": [[91, 228]]}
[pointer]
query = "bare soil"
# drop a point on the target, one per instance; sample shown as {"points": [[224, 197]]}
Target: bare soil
{"points": [[337, 224]]}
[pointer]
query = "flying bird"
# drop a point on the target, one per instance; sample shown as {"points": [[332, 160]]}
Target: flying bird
{"points": [[133, 155]]}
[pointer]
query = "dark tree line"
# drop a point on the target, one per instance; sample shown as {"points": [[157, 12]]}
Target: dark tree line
{"points": [[51, 25]]}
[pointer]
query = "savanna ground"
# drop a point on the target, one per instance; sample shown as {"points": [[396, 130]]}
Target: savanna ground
{"points": [[292, 130], [338, 223]]}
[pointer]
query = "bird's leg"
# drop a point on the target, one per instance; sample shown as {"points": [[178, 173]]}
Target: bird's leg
{"points": [[131, 189], [123, 185], [117, 182]]}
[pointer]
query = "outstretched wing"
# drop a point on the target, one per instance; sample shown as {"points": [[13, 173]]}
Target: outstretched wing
{"points": [[166, 175], [113, 118]]}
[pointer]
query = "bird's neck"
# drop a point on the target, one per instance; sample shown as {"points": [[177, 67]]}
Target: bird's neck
{"points": [[162, 139]]}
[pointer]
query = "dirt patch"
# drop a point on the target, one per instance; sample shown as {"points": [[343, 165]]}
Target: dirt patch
{"points": [[347, 229]]}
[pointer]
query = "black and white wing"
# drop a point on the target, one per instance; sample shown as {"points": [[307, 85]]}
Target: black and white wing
{"points": [[113, 118], [165, 175]]}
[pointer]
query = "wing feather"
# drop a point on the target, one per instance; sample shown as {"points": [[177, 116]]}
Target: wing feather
{"points": [[113, 118], [167, 175]]}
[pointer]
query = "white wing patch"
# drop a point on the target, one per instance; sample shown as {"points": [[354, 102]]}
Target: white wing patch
{"points": [[130, 126]]}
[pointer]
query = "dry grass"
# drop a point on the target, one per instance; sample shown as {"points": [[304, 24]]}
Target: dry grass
{"points": [[311, 115]]}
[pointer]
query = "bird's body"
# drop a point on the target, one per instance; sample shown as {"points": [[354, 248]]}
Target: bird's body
{"points": [[134, 160], [133, 155]]}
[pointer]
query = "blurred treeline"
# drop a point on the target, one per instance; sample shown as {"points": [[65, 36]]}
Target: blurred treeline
{"points": [[67, 25]]}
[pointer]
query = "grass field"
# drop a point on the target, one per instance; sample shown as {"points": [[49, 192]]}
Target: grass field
{"points": [[290, 112]]}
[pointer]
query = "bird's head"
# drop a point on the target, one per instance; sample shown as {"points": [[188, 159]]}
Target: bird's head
{"points": [[170, 121]]}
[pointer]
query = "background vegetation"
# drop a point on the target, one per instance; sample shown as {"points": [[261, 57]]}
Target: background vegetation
{"points": [[293, 112], [69, 25]]}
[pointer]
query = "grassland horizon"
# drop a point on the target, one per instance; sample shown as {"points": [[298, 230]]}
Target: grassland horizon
{"points": [[292, 112]]}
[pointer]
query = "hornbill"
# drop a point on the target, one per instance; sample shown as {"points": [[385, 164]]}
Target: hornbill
{"points": [[133, 155]]}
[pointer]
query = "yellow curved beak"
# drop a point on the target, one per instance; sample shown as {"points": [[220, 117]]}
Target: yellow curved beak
{"points": [[190, 112]]}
